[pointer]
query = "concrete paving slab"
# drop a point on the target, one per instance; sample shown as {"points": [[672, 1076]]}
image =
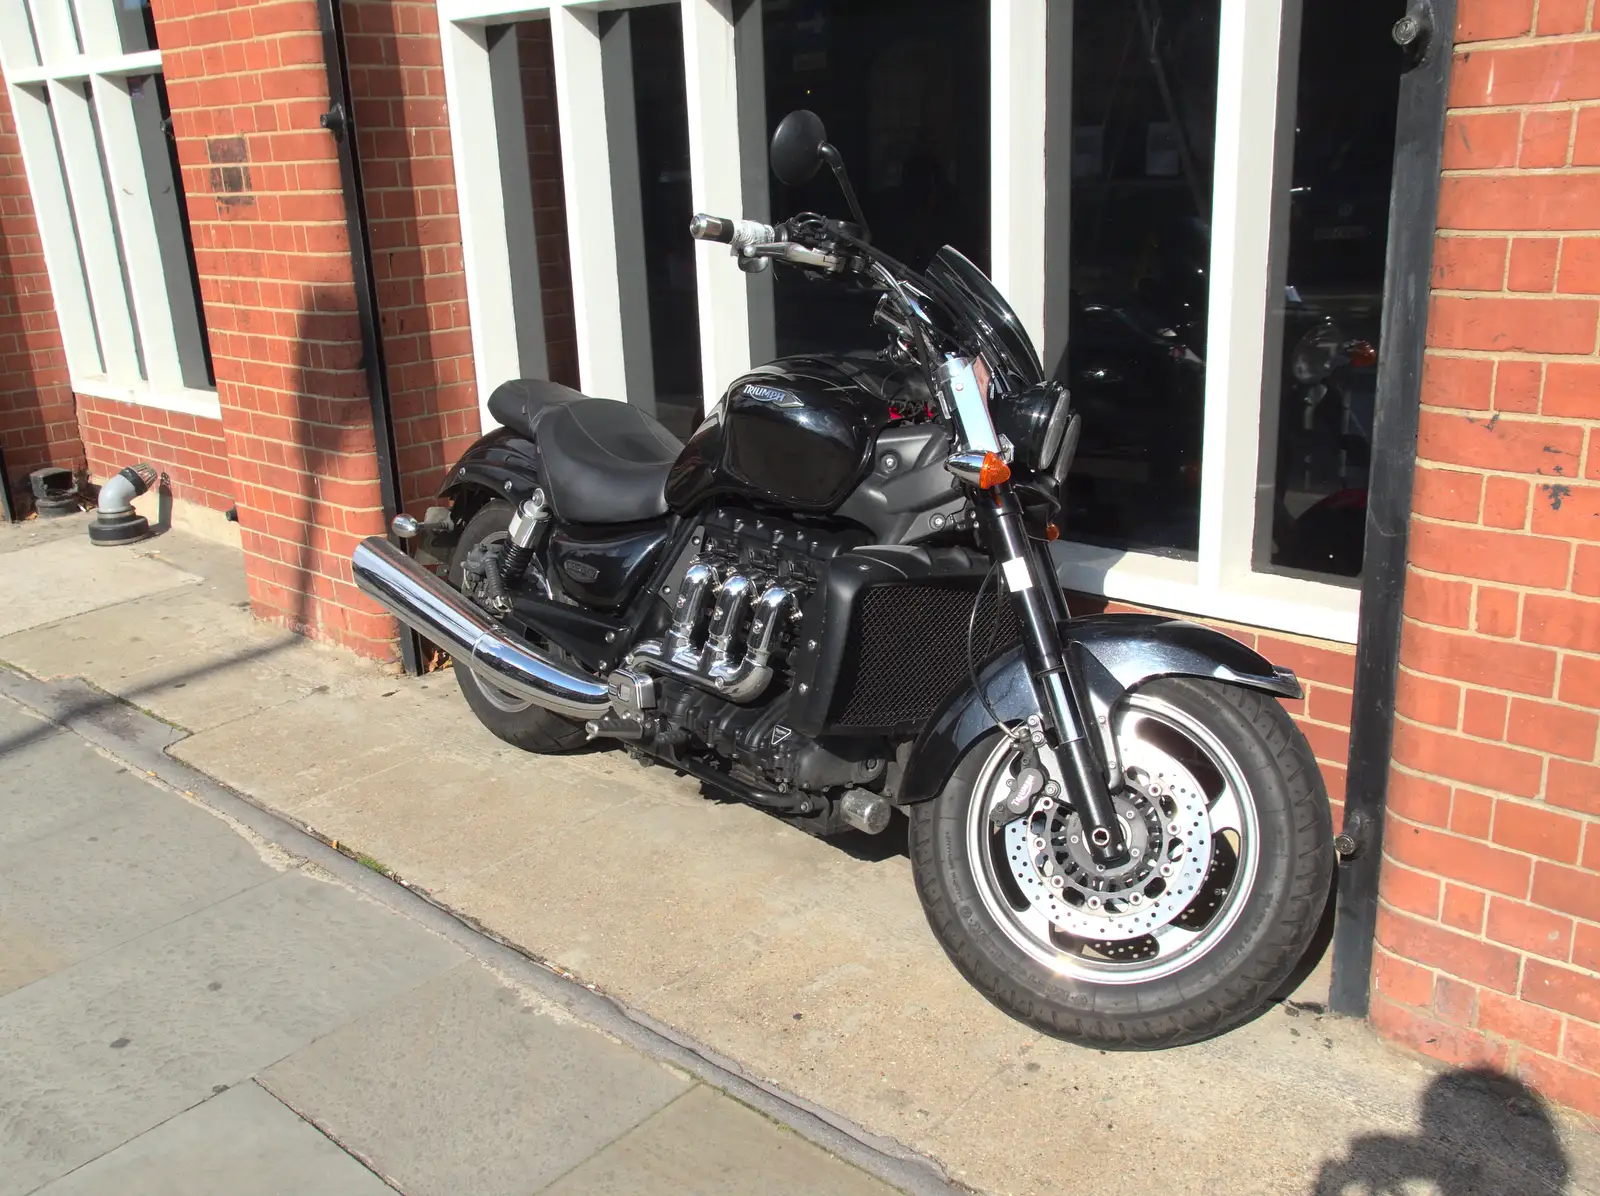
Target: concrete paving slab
{"points": [[110, 1047], [142, 860], [14, 537], [39, 793], [24, 956], [706, 1144], [242, 1143], [185, 656], [47, 582], [470, 1086]]}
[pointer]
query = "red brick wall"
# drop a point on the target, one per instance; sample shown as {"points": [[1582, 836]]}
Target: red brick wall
{"points": [[37, 423], [1489, 934], [188, 449], [397, 80], [248, 86]]}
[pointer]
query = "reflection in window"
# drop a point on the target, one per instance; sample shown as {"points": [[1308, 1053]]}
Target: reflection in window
{"points": [[1144, 101], [903, 88], [662, 114], [153, 119], [1332, 225]]}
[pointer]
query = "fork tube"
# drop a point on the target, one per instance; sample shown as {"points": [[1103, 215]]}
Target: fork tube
{"points": [[1021, 571]]}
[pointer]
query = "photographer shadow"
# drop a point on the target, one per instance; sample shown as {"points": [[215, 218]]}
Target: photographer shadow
{"points": [[1481, 1134]]}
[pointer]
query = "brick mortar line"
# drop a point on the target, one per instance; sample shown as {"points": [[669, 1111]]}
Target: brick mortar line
{"points": [[1544, 756], [1489, 689], [1478, 936], [1452, 784], [1526, 40], [1518, 417]]}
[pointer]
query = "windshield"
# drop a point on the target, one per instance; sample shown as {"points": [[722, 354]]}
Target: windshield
{"points": [[973, 299]]}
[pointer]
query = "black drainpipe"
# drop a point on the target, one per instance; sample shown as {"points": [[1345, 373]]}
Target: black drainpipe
{"points": [[1427, 32], [7, 510], [339, 120]]}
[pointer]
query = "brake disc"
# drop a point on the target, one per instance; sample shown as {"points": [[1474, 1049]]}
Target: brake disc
{"points": [[1164, 815]]}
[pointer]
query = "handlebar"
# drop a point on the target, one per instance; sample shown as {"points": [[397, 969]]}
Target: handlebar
{"points": [[732, 232]]}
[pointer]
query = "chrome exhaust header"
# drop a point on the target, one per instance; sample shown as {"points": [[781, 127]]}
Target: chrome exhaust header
{"points": [[422, 601]]}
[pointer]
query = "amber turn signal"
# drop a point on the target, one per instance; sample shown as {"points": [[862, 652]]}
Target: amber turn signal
{"points": [[993, 471], [1052, 532]]}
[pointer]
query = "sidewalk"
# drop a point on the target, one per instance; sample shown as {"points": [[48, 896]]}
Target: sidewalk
{"points": [[808, 963], [188, 1009]]}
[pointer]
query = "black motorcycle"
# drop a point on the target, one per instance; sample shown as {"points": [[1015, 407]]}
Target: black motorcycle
{"points": [[836, 602]]}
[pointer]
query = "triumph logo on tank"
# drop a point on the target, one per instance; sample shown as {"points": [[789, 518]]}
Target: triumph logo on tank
{"points": [[771, 394]]}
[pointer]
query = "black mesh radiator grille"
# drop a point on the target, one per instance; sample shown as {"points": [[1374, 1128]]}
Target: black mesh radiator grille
{"points": [[908, 650]]}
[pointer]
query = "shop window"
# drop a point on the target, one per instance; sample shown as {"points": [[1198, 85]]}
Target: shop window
{"points": [[1130, 172], [1144, 107], [665, 208], [94, 129], [1338, 97], [881, 78]]}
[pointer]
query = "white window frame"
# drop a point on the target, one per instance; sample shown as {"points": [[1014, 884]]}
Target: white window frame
{"points": [[61, 160], [736, 312]]}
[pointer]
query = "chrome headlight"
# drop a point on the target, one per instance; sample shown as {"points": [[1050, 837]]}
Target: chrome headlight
{"points": [[1034, 421]]}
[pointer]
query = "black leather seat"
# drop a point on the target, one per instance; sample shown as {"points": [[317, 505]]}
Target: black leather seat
{"points": [[604, 461]]}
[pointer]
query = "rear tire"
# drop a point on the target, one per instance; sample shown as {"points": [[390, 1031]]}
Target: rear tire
{"points": [[1226, 930], [514, 719]]}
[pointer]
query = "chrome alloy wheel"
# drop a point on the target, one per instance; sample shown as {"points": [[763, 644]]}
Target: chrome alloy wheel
{"points": [[1194, 845]]}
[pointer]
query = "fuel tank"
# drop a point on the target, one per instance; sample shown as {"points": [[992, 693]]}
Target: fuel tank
{"points": [[796, 433]]}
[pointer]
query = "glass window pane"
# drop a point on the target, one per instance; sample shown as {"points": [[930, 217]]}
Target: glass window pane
{"points": [[536, 201], [661, 113], [77, 238], [903, 88], [1144, 102], [1337, 110], [116, 231], [159, 150], [136, 25]]}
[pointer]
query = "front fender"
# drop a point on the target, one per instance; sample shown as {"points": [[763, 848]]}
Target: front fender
{"points": [[1111, 655]]}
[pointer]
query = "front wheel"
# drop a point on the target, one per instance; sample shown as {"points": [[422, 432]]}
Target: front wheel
{"points": [[1230, 859]]}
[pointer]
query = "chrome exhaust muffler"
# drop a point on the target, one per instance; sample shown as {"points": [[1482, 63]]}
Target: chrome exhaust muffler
{"points": [[422, 601]]}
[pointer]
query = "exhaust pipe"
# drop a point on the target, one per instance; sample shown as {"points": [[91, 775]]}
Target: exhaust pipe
{"points": [[421, 601]]}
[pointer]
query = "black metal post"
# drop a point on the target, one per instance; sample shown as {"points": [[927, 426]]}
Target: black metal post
{"points": [[1428, 33], [7, 508], [339, 120]]}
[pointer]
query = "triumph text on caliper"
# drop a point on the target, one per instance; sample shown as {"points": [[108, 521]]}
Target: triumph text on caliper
{"points": [[836, 602]]}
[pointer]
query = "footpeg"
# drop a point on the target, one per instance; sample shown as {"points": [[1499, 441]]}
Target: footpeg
{"points": [[610, 726]]}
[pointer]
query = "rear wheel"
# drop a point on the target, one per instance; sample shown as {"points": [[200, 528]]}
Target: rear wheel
{"points": [[513, 718], [1230, 860]]}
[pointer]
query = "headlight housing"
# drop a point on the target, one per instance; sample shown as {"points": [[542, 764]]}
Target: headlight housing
{"points": [[1034, 421]]}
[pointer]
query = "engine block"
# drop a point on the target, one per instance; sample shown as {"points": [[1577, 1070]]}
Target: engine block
{"points": [[739, 603]]}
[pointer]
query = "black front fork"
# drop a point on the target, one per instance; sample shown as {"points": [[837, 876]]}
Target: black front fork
{"points": [[1030, 580]]}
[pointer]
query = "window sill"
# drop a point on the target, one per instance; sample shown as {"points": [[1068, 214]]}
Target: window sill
{"points": [[1316, 609], [202, 404]]}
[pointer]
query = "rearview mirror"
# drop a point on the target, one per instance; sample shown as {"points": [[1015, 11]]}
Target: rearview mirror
{"points": [[797, 147]]}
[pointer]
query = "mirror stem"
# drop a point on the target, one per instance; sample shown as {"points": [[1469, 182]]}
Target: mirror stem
{"points": [[835, 163]]}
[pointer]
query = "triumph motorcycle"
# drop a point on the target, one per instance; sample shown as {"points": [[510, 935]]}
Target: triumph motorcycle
{"points": [[836, 603]]}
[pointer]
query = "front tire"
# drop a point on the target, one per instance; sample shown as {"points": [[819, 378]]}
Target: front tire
{"points": [[1228, 811], [513, 718]]}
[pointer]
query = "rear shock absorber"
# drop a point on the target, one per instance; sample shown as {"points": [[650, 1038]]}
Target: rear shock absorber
{"points": [[524, 536]]}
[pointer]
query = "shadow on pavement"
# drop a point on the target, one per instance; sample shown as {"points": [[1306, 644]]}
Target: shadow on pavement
{"points": [[1507, 1123], [102, 704]]}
